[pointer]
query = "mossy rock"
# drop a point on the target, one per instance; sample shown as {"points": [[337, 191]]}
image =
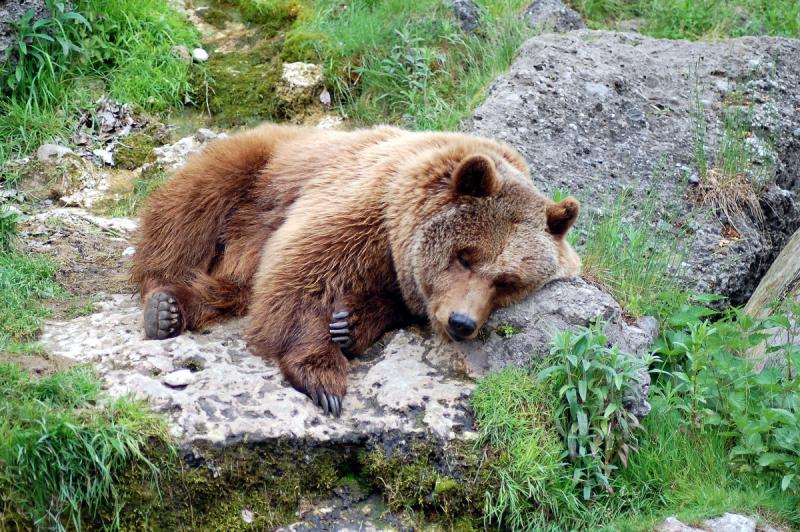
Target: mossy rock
{"points": [[137, 148], [446, 484], [209, 488], [242, 84]]}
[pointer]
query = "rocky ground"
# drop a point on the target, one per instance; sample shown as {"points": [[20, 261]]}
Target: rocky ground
{"points": [[594, 112]]}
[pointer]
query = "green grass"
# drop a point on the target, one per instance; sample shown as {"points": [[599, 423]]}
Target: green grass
{"points": [[62, 448], [26, 281], [514, 415], [631, 254], [113, 47], [697, 19], [407, 62]]}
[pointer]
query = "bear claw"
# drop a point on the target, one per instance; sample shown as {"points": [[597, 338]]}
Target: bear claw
{"points": [[162, 318], [330, 403], [339, 329]]}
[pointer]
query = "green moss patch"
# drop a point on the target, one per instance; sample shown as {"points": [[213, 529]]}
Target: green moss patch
{"points": [[209, 489], [242, 90], [135, 150]]}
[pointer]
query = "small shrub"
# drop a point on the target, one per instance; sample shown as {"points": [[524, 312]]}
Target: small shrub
{"points": [[592, 380]]}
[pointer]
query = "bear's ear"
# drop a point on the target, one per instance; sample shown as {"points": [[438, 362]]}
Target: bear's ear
{"points": [[475, 176], [561, 216]]}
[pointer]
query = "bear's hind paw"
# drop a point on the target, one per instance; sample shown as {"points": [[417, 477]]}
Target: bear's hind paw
{"points": [[162, 317]]}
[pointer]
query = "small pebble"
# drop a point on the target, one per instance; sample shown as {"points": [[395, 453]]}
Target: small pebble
{"points": [[199, 55], [129, 251], [178, 379]]}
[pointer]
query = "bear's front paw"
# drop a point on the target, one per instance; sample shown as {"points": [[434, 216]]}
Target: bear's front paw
{"points": [[329, 402], [340, 329]]}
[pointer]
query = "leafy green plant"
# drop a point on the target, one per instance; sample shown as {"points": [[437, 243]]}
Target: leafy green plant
{"points": [[592, 380], [715, 386], [506, 330], [40, 52]]}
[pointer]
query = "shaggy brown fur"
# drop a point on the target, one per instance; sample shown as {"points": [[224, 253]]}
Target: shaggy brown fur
{"points": [[293, 225]]}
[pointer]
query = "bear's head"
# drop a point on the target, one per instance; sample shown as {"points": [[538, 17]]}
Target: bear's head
{"points": [[485, 237]]}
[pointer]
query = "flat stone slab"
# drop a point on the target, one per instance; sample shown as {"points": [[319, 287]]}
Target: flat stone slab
{"points": [[412, 382], [214, 391]]}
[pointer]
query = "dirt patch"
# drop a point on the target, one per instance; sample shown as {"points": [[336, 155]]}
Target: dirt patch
{"points": [[40, 365], [91, 251]]}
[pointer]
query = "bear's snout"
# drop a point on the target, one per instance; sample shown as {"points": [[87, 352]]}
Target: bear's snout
{"points": [[460, 326]]}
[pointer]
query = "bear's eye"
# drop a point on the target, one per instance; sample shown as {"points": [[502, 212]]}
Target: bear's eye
{"points": [[464, 260], [506, 283]]}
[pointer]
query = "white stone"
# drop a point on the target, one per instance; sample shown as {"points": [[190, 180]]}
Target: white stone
{"points": [[199, 55], [731, 523], [302, 74], [129, 251], [104, 155], [178, 379], [52, 153]]}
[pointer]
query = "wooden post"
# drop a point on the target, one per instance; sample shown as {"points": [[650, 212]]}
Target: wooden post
{"points": [[781, 281]]}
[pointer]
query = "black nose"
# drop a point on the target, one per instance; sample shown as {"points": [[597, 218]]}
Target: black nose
{"points": [[461, 325]]}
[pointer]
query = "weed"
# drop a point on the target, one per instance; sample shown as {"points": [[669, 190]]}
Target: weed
{"points": [[592, 380], [506, 330], [732, 184]]}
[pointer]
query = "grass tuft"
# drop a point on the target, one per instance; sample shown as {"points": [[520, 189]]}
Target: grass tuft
{"points": [[25, 281], [62, 449]]}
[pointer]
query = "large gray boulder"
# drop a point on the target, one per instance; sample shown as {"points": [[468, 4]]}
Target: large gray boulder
{"points": [[411, 384], [598, 113]]}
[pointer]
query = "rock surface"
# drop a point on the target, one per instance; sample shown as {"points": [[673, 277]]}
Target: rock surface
{"points": [[214, 391], [468, 15], [599, 113], [172, 156], [728, 522], [553, 15], [300, 86]]}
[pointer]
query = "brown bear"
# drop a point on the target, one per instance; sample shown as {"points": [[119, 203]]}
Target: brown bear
{"points": [[327, 239]]}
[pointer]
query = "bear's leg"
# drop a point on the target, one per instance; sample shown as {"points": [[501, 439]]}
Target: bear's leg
{"points": [[357, 323], [170, 308]]}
